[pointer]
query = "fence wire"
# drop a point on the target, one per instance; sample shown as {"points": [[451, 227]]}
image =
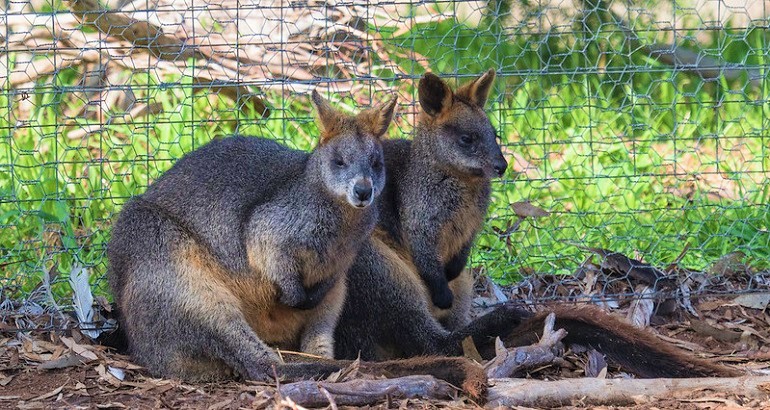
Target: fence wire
{"points": [[637, 131]]}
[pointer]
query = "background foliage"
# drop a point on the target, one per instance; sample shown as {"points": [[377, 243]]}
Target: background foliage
{"points": [[640, 128]]}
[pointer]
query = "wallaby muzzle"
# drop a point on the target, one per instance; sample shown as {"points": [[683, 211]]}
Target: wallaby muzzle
{"points": [[500, 165], [362, 193]]}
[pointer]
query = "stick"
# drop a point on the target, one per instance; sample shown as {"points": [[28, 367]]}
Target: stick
{"points": [[546, 351], [139, 33], [608, 392], [360, 392], [672, 54]]}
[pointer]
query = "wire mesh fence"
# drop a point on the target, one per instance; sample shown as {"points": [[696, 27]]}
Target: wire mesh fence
{"points": [[636, 131]]}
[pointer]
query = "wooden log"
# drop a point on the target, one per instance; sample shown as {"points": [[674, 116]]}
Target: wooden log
{"points": [[507, 362], [361, 392], [617, 392]]}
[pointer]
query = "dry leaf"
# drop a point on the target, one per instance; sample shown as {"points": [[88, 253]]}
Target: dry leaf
{"points": [[752, 300], [722, 335], [4, 380], [729, 265], [524, 209], [50, 394], [596, 366], [642, 308], [470, 351], [63, 362], [119, 374], [82, 350], [108, 377], [220, 405], [630, 268], [113, 405]]}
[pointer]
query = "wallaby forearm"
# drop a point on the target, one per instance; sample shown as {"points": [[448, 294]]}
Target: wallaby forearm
{"points": [[457, 263], [280, 269], [428, 264]]}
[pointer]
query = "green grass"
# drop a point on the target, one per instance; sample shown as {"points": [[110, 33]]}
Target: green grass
{"points": [[600, 132]]}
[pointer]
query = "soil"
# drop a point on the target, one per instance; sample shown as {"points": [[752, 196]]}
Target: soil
{"points": [[44, 368]]}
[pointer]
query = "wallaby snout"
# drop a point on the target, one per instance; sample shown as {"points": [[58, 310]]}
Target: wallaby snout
{"points": [[363, 190], [500, 165], [362, 193]]}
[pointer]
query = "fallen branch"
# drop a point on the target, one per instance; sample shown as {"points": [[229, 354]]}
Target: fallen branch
{"points": [[139, 33], [673, 55], [546, 351], [360, 392], [618, 392]]}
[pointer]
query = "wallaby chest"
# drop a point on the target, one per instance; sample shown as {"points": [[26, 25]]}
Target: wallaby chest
{"points": [[460, 216], [318, 244]]}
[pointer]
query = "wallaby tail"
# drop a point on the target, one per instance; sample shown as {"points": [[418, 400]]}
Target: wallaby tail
{"points": [[458, 371], [634, 350], [115, 338]]}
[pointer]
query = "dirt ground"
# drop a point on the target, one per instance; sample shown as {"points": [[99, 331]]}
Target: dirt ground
{"points": [[64, 370], [40, 368]]}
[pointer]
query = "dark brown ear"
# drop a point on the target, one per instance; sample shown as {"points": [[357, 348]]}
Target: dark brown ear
{"points": [[376, 120], [329, 118], [435, 95], [477, 91]]}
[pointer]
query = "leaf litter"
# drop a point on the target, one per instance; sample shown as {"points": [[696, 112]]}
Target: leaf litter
{"points": [[63, 369]]}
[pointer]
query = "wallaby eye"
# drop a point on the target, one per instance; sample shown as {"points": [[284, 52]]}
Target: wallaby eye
{"points": [[466, 139], [377, 164], [339, 163]]}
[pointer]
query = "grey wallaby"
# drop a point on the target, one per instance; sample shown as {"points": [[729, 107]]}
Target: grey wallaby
{"points": [[244, 245]]}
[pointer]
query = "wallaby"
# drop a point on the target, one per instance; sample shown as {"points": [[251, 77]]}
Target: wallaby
{"points": [[245, 244], [434, 203], [409, 279]]}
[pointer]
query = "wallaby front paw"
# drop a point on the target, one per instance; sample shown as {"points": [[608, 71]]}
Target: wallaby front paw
{"points": [[292, 293], [317, 293], [442, 296]]}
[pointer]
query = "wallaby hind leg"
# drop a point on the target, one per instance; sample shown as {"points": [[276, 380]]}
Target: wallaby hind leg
{"points": [[197, 329], [404, 326], [181, 321]]}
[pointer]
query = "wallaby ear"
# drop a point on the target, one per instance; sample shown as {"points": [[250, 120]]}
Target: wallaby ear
{"points": [[435, 95], [330, 120], [376, 120], [477, 91]]}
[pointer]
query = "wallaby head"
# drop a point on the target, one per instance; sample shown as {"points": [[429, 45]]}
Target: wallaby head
{"points": [[458, 131], [350, 151]]}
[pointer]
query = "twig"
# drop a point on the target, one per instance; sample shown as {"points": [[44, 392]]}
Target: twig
{"points": [[332, 403], [673, 55], [136, 32], [546, 351]]}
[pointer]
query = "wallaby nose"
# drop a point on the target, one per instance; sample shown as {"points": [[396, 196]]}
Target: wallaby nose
{"points": [[500, 166], [363, 190]]}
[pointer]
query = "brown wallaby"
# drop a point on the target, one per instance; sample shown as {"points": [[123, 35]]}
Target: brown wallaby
{"points": [[434, 203], [244, 245]]}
